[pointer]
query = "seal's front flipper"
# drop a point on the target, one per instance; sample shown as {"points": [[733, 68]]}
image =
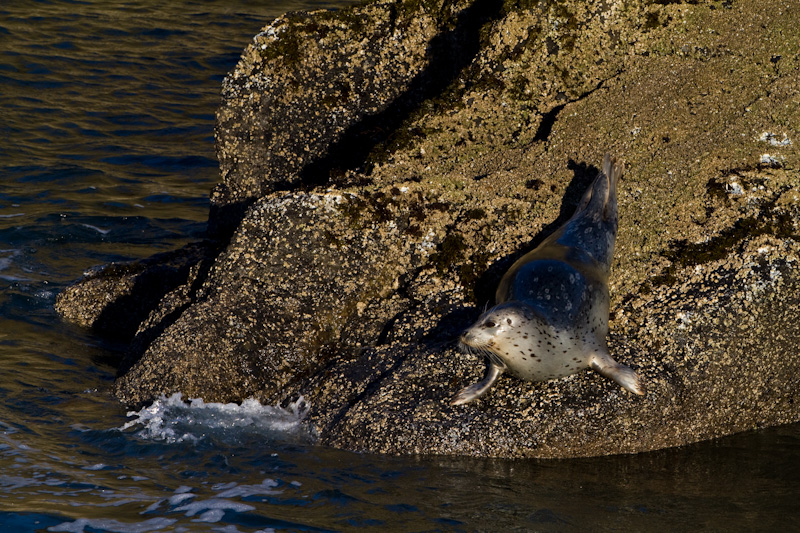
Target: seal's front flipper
{"points": [[624, 375], [473, 392]]}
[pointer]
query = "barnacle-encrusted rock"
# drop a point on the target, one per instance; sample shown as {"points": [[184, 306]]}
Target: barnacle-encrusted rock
{"points": [[383, 165]]}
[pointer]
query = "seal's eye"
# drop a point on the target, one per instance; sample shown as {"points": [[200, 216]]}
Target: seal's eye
{"points": [[489, 324]]}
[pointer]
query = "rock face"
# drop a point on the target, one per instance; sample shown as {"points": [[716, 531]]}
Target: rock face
{"points": [[383, 165]]}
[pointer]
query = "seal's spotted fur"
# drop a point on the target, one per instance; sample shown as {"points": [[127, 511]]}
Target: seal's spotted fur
{"points": [[552, 314]]}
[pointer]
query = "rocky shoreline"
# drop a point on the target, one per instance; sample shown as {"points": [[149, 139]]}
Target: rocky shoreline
{"points": [[383, 165]]}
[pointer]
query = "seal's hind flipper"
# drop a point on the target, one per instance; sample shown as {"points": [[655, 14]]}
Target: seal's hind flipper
{"points": [[601, 196], [593, 228], [613, 170]]}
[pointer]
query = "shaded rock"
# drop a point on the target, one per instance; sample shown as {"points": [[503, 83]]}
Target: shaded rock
{"points": [[113, 300], [375, 199]]}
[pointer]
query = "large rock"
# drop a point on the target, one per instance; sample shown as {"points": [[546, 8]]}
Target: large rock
{"points": [[383, 165], [304, 279]]}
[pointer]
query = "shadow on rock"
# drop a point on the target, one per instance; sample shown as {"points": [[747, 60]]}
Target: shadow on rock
{"points": [[448, 54], [114, 300], [583, 175]]}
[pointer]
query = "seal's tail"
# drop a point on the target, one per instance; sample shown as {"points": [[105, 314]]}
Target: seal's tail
{"points": [[613, 170]]}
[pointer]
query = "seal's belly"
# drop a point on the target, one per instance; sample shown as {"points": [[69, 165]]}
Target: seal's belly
{"points": [[575, 312], [543, 355]]}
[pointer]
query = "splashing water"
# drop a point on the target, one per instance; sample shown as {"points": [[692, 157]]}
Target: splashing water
{"points": [[172, 420]]}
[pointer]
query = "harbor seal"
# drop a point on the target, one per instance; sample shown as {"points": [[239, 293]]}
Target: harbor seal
{"points": [[551, 317]]}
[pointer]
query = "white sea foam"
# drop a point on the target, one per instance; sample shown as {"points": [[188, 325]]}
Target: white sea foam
{"points": [[173, 420]]}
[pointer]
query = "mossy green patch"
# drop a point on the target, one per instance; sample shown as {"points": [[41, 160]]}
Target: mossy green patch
{"points": [[451, 252], [470, 273]]}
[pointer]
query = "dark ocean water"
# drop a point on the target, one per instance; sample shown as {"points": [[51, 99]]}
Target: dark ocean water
{"points": [[107, 154]]}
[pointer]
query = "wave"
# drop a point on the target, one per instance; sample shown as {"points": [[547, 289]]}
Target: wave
{"points": [[173, 420]]}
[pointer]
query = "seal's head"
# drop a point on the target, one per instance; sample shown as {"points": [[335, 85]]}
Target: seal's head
{"points": [[499, 326]]}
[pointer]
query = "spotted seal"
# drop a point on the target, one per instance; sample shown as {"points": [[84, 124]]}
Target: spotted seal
{"points": [[551, 319]]}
